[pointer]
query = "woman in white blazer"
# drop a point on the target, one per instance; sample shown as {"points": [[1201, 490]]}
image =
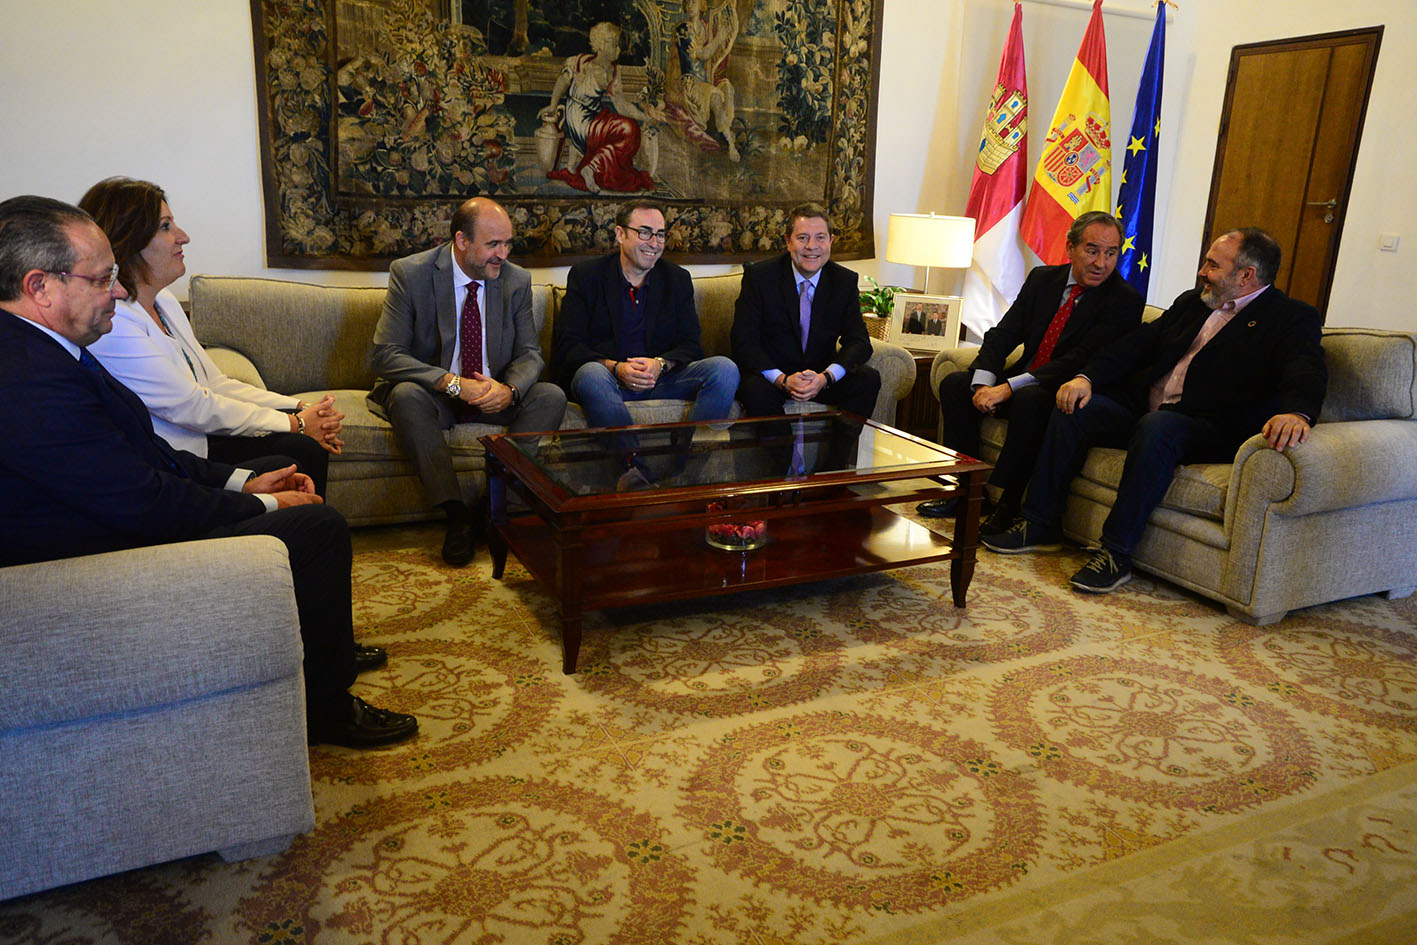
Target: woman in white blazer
{"points": [[153, 351]]}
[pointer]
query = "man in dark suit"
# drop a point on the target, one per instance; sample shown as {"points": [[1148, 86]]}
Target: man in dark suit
{"points": [[1061, 316], [792, 313], [1229, 359], [456, 343], [628, 331], [83, 472]]}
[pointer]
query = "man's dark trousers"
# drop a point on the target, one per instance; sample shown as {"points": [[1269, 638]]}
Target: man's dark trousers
{"points": [[1156, 442]]}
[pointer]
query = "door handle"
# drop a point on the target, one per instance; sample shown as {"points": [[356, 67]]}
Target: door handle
{"points": [[1331, 204]]}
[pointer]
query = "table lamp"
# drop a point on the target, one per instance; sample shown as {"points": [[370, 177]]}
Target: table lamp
{"points": [[925, 239]]}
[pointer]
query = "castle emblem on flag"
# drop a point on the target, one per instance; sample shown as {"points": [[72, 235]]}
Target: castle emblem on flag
{"points": [[1004, 128], [1075, 158]]}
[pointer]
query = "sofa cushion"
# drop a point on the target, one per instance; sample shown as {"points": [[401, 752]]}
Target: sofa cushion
{"points": [[1372, 375], [299, 336], [1196, 489]]}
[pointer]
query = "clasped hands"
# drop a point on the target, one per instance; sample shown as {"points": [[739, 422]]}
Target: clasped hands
{"points": [[323, 423], [484, 393], [805, 385], [286, 486], [637, 373]]}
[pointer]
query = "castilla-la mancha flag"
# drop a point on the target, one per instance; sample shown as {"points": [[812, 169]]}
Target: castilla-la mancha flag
{"points": [[1074, 172], [996, 193]]}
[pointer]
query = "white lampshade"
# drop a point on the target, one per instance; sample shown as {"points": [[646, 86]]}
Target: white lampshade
{"points": [[921, 239]]}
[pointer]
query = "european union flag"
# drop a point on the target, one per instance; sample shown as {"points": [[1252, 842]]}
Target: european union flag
{"points": [[1136, 200]]}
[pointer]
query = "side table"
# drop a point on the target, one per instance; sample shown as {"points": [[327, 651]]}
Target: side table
{"points": [[919, 413]]}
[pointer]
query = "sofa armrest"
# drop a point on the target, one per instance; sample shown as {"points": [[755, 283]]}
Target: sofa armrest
{"points": [[151, 626], [236, 365], [896, 366], [1325, 473], [947, 362]]}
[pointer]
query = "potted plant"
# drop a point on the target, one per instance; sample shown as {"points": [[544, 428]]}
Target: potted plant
{"points": [[877, 304]]}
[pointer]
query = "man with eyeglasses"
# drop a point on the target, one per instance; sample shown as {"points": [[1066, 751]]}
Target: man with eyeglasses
{"points": [[83, 472], [798, 334], [456, 343], [628, 331]]}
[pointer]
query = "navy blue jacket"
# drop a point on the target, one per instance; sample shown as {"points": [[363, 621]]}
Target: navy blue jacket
{"points": [[81, 470]]}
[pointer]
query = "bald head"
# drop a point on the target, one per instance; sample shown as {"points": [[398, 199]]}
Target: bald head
{"points": [[482, 238]]}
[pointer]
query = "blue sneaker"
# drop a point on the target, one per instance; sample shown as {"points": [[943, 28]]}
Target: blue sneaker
{"points": [[1104, 573]]}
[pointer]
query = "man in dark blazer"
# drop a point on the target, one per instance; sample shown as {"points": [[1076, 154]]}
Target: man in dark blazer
{"points": [[627, 330], [798, 334], [83, 472], [1061, 316], [1229, 359], [457, 343]]}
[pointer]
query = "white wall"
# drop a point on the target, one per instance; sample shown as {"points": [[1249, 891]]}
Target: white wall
{"points": [[165, 91]]}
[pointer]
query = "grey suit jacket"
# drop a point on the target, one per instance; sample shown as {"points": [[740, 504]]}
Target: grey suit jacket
{"points": [[418, 328]]}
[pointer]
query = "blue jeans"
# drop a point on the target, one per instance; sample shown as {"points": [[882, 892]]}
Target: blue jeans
{"points": [[710, 384], [1156, 443]]}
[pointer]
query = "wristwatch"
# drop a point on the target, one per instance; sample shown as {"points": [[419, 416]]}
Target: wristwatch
{"points": [[454, 388], [663, 365]]}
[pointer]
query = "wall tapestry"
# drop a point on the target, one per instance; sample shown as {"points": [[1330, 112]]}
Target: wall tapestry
{"points": [[379, 116]]}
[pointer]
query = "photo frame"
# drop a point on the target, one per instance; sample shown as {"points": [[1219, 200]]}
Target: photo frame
{"points": [[926, 322]]}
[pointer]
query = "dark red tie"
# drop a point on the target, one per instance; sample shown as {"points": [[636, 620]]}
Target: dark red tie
{"points": [[470, 330], [1055, 329]]}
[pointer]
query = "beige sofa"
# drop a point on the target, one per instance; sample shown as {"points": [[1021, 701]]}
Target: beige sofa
{"points": [[1271, 532], [152, 707], [306, 340]]}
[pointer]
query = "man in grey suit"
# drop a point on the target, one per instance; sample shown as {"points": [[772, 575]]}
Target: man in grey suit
{"points": [[456, 343]]}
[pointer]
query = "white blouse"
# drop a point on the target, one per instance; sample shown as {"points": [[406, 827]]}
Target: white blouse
{"points": [[184, 390]]}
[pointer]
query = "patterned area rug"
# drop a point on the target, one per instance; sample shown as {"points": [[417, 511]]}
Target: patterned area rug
{"points": [[850, 761]]}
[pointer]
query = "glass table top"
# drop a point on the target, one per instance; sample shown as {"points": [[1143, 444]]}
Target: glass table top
{"points": [[795, 448]]}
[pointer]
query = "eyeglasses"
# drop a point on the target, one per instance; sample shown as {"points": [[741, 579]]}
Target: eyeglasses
{"points": [[103, 282], [646, 234]]}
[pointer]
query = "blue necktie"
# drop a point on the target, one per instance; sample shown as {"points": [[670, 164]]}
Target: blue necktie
{"points": [[804, 310]]}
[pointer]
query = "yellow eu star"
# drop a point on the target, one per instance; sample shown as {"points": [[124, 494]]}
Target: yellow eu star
{"points": [[1136, 145]]}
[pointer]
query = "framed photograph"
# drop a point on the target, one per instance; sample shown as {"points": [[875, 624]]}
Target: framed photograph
{"points": [[926, 322]]}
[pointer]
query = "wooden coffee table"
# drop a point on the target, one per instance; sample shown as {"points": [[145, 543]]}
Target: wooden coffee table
{"points": [[599, 539]]}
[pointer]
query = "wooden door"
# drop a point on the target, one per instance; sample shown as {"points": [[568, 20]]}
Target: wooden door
{"points": [[1289, 137]]}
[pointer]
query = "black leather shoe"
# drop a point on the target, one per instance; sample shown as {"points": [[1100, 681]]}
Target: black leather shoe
{"points": [[369, 657], [938, 508], [357, 724], [460, 544]]}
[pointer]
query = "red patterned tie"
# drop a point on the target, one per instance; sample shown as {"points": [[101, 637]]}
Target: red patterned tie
{"points": [[1055, 328], [470, 330]]}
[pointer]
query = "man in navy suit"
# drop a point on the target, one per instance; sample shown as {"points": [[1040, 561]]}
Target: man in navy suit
{"points": [[798, 334], [1229, 359], [82, 471], [1061, 316], [456, 343]]}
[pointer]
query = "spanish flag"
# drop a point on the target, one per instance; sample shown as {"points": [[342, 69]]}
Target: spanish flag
{"points": [[1074, 173]]}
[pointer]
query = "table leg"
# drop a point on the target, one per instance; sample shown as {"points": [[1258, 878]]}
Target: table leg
{"points": [[497, 517], [570, 643], [966, 538], [569, 550]]}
